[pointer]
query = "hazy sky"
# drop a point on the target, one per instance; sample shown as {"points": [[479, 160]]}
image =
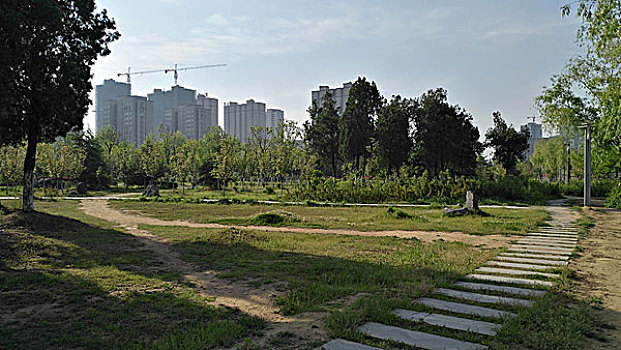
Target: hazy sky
{"points": [[490, 55]]}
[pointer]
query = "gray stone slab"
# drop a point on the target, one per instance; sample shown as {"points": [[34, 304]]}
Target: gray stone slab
{"points": [[537, 251], [522, 266], [513, 280], [463, 308], [417, 339], [462, 324], [547, 243], [340, 344], [504, 289], [549, 240], [554, 235], [482, 298], [533, 246], [536, 256], [533, 261], [553, 239], [516, 272], [559, 230]]}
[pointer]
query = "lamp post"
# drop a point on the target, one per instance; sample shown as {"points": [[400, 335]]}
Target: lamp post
{"points": [[587, 164]]}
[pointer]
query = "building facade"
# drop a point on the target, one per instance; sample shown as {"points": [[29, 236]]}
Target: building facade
{"points": [[164, 100], [109, 90], [534, 130], [239, 118], [274, 118], [339, 96]]}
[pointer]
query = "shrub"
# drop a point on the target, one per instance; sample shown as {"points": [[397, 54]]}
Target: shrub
{"points": [[274, 217], [398, 213], [614, 197]]}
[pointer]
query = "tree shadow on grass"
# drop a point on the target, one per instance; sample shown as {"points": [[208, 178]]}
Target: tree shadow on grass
{"points": [[66, 284]]}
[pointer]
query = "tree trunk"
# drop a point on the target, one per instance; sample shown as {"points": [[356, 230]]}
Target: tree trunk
{"points": [[334, 166], [29, 165]]}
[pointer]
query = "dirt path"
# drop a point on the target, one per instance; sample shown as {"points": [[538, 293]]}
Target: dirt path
{"points": [[599, 269], [253, 301], [101, 209]]}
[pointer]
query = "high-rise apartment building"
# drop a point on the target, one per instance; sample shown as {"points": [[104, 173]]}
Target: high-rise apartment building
{"points": [[274, 118], [239, 118], [339, 96], [109, 90], [134, 117], [534, 130], [164, 100]]}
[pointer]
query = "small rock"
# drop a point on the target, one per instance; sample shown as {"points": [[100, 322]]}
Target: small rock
{"points": [[81, 188]]}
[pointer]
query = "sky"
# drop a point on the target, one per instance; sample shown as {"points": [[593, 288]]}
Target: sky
{"points": [[489, 55]]}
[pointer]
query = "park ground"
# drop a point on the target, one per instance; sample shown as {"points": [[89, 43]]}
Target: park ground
{"points": [[145, 275]]}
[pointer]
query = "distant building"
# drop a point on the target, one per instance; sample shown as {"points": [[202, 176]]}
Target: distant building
{"points": [[274, 118], [239, 118], [164, 100], [109, 90], [131, 117], [339, 96], [193, 121], [535, 134]]}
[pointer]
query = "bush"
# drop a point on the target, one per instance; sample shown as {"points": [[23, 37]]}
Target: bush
{"points": [[274, 217], [614, 197], [269, 190], [398, 213]]}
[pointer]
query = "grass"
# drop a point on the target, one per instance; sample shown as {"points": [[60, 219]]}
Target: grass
{"points": [[73, 281], [65, 283], [499, 220]]}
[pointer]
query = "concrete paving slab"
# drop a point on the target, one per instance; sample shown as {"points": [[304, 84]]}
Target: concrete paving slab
{"points": [[462, 324], [522, 266], [536, 256], [538, 251], [554, 235], [482, 298], [533, 261], [417, 339], [513, 280], [340, 344], [463, 308], [554, 239], [504, 289], [528, 246], [558, 230], [516, 272], [547, 243]]}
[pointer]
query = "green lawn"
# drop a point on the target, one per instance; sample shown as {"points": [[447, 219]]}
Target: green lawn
{"points": [[499, 221], [72, 281]]}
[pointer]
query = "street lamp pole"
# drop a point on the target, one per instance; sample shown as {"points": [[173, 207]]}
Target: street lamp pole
{"points": [[587, 164]]}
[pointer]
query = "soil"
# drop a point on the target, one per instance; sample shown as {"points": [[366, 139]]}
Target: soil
{"points": [[598, 269]]}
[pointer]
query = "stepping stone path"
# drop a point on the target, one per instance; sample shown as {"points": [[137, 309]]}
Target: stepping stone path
{"points": [[514, 278]]}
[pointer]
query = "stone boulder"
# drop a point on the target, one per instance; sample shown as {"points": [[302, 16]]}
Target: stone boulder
{"points": [[81, 188], [151, 191]]}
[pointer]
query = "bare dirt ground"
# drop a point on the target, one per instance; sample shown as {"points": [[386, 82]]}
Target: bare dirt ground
{"points": [[599, 272], [101, 209]]}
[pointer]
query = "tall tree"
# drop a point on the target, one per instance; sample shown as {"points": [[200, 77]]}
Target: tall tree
{"points": [[508, 144], [322, 133], [393, 133], [48, 48], [358, 122], [444, 136]]}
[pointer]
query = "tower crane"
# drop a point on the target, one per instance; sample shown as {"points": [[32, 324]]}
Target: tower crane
{"points": [[174, 70]]}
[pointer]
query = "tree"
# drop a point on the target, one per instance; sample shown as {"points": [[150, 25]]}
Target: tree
{"points": [[11, 165], [285, 150], [549, 157], [358, 122], [59, 160], [322, 133], [444, 136], [152, 158], [227, 157], [393, 133], [508, 144], [48, 48], [261, 144], [597, 72], [96, 174]]}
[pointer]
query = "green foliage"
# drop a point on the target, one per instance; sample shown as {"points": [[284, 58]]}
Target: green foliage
{"points": [[393, 142], [614, 197], [274, 217], [357, 123], [322, 134], [508, 144], [398, 213], [444, 137]]}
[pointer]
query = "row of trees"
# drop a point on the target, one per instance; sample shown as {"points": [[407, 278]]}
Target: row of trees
{"points": [[423, 134]]}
